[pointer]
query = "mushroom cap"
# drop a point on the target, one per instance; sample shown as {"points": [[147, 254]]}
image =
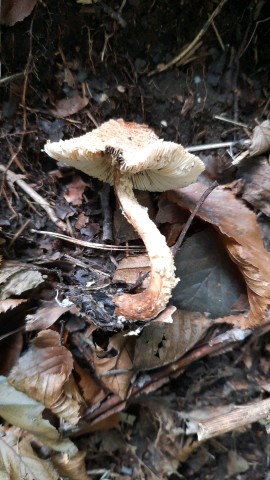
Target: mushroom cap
{"points": [[151, 163]]}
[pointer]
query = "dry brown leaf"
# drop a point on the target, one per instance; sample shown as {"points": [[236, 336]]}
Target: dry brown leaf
{"points": [[13, 11], [22, 411], [256, 176], [43, 372], [261, 139], [122, 348], [11, 348], [69, 106], [18, 460], [46, 315], [241, 236], [92, 392], [72, 468], [10, 303], [130, 269], [16, 278], [75, 191], [160, 344]]}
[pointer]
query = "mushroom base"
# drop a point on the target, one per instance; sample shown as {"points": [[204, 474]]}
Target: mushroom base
{"points": [[149, 303]]}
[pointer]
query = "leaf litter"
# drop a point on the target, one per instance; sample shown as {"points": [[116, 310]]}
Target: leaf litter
{"points": [[82, 364]]}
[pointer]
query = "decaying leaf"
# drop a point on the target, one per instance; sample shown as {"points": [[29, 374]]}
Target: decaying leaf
{"points": [[10, 303], [160, 344], [256, 174], [130, 269], [210, 281], [13, 11], [22, 411], [16, 278], [241, 236], [119, 356], [75, 191], [92, 392], [261, 139], [43, 373], [46, 315], [69, 106], [18, 461]]}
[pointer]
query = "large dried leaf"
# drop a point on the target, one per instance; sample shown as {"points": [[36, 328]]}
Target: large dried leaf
{"points": [[16, 278], [261, 139], [18, 461], [43, 373], [119, 356], [160, 344], [241, 236], [22, 411], [13, 11], [210, 282]]}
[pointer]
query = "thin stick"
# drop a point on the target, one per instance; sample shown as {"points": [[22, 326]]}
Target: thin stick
{"points": [[238, 417], [212, 146], [83, 243], [229, 120], [182, 235], [186, 51], [14, 178]]}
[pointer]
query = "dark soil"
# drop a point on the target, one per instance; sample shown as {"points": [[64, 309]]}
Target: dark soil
{"points": [[64, 49]]}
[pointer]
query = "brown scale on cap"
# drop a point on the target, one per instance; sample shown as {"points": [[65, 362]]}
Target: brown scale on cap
{"points": [[129, 155]]}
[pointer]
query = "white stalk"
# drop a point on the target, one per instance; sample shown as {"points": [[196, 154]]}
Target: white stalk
{"points": [[149, 303]]}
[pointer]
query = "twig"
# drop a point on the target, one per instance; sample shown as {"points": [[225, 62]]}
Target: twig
{"points": [[238, 417], [18, 233], [14, 178], [11, 78], [212, 146], [182, 235], [83, 243], [186, 51], [229, 120]]}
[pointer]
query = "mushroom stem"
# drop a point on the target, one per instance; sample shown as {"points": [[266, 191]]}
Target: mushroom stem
{"points": [[149, 303]]}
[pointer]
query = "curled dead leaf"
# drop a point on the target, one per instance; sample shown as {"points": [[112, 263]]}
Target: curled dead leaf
{"points": [[240, 233], [13, 11], [43, 373], [261, 139]]}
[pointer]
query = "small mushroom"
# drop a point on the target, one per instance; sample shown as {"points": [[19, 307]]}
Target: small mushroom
{"points": [[129, 155]]}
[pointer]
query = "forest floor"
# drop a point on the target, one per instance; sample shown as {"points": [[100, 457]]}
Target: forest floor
{"points": [[198, 74]]}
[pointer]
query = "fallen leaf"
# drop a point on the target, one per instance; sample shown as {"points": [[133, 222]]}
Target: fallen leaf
{"points": [[16, 278], [160, 344], [69, 106], [91, 390], [256, 188], [19, 461], [46, 315], [11, 348], [130, 269], [241, 236], [10, 303], [118, 356], [210, 281], [48, 365], [75, 191], [13, 11], [261, 139], [20, 410]]}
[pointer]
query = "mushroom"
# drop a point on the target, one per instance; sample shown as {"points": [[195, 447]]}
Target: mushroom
{"points": [[128, 155]]}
